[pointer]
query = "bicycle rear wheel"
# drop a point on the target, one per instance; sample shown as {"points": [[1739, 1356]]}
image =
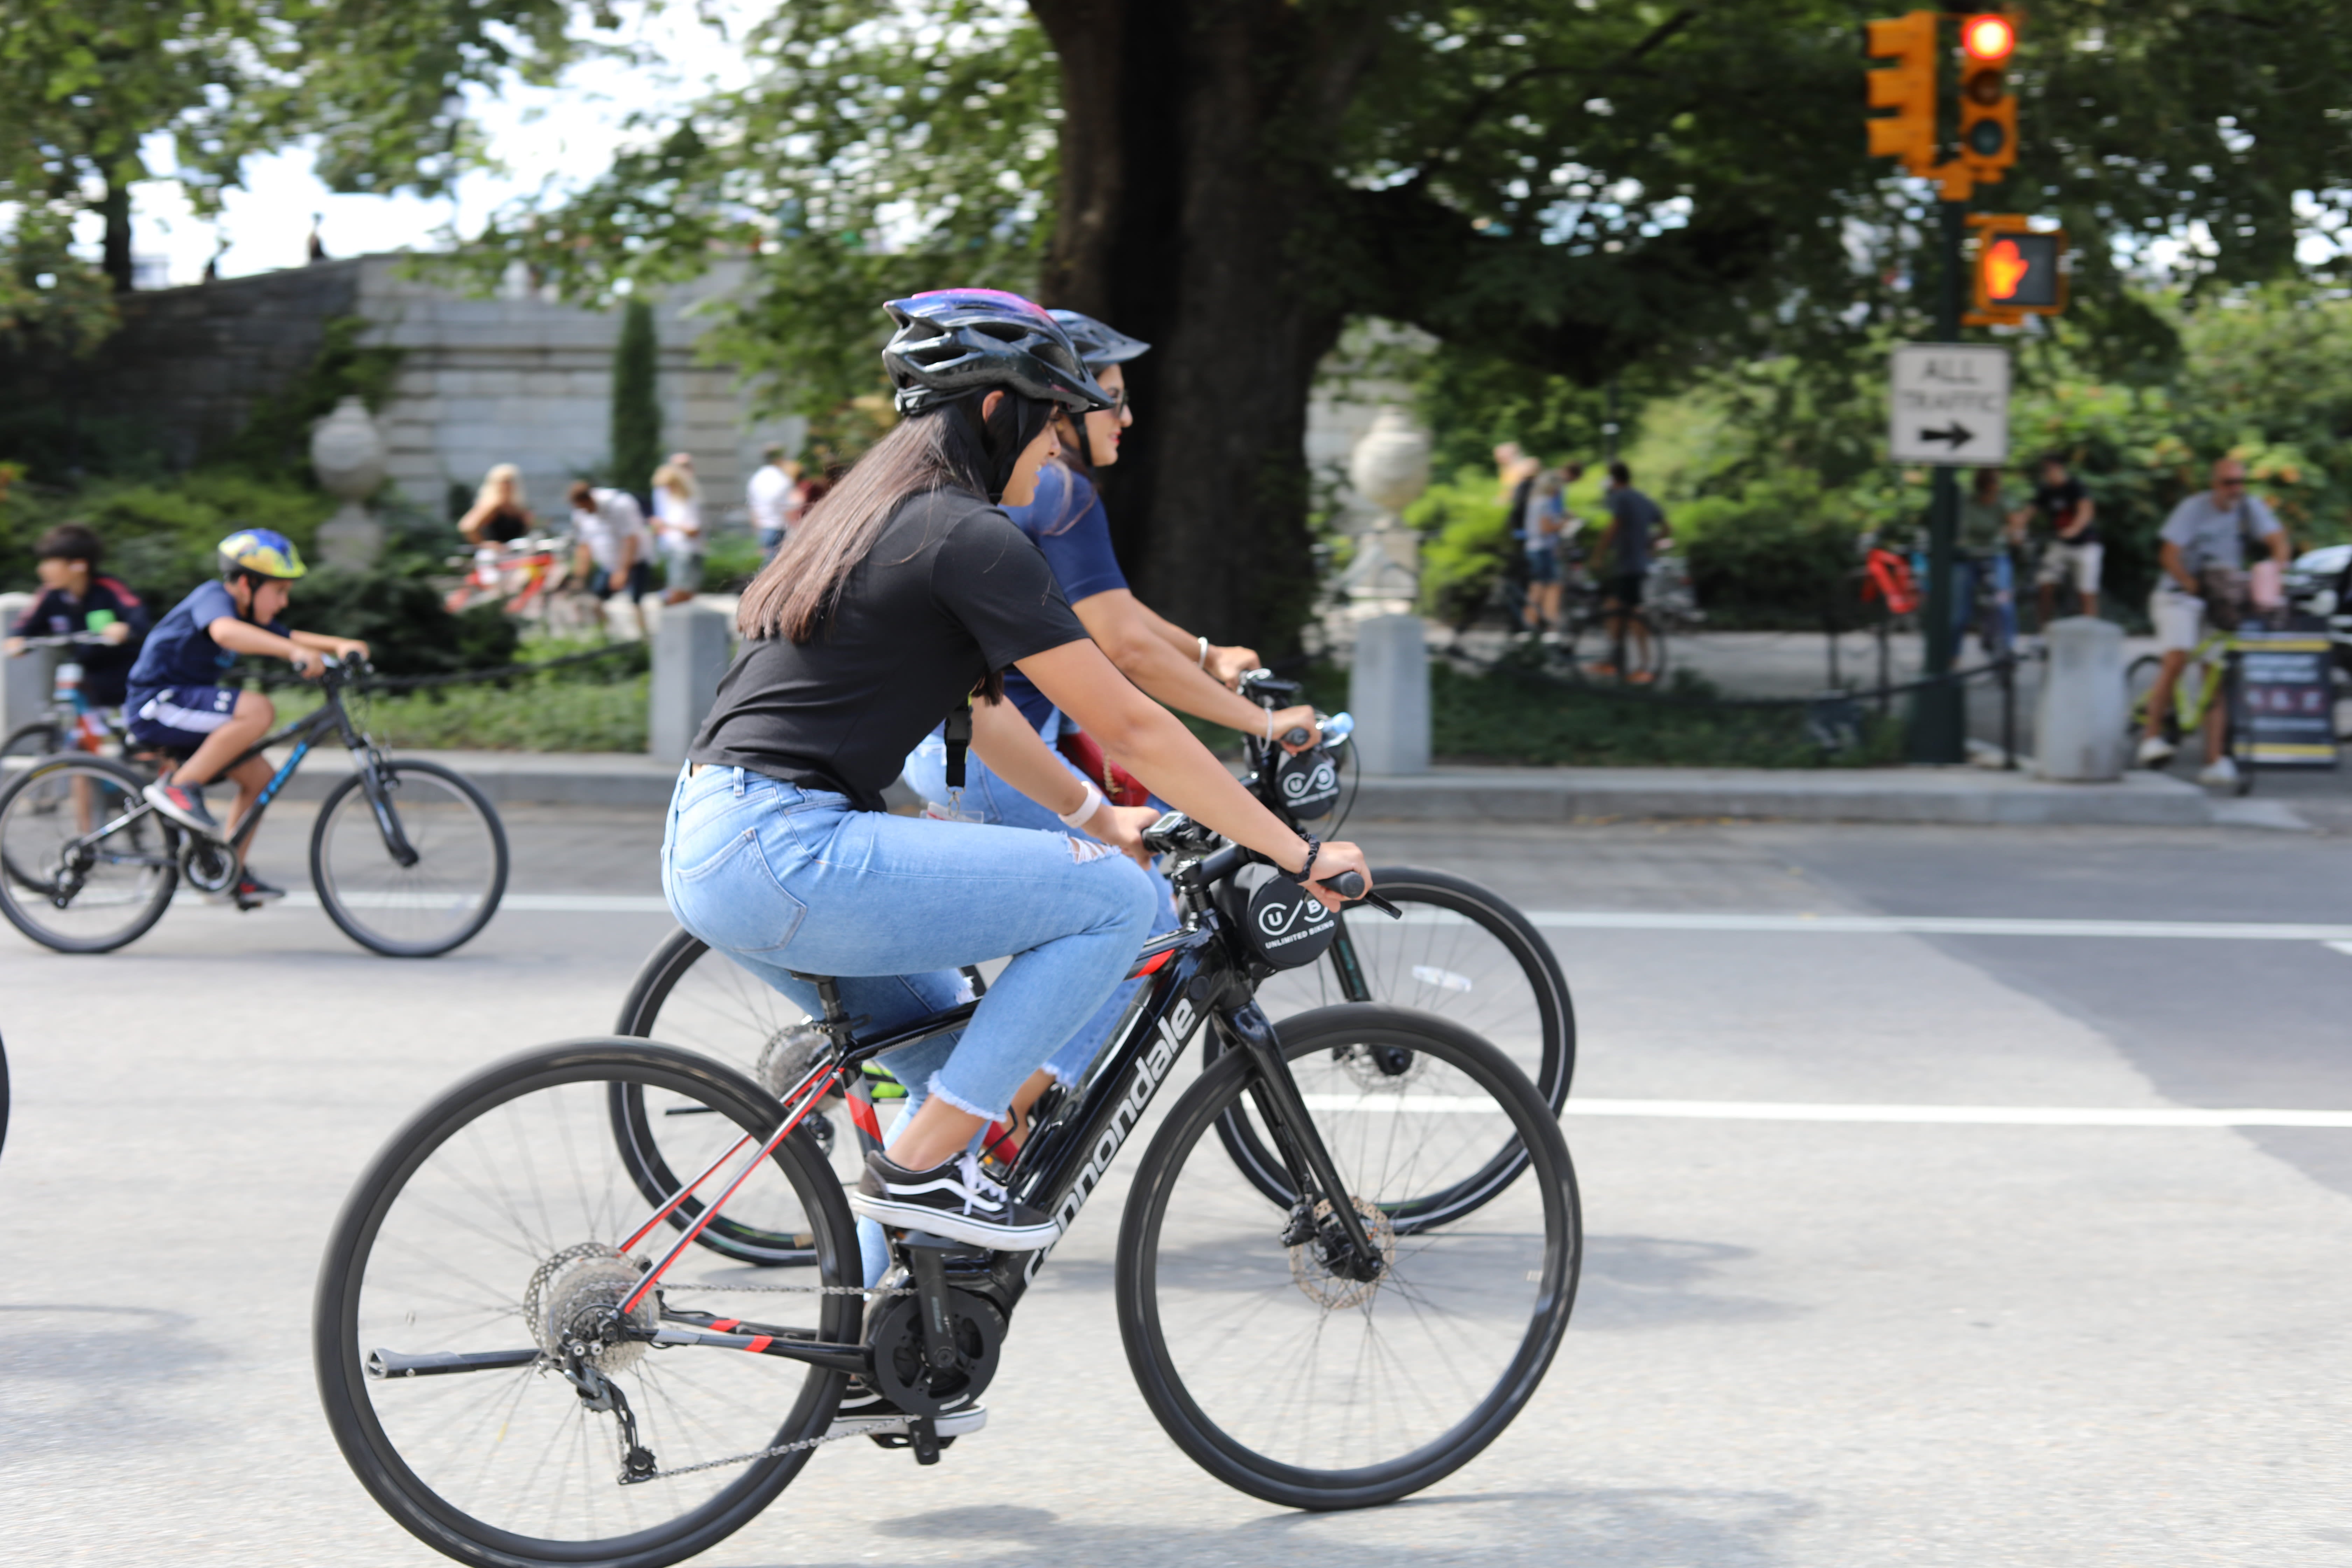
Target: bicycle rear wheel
{"points": [[1300, 1385], [85, 865], [471, 1356], [687, 995], [422, 877], [27, 743], [1462, 953]]}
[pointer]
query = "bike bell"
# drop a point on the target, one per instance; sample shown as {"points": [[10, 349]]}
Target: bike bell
{"points": [[1287, 928], [1308, 783]]}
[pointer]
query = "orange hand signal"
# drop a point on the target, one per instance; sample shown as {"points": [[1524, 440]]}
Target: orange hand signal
{"points": [[2005, 267]]}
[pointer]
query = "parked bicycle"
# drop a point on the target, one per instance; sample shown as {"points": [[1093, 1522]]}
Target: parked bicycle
{"points": [[529, 579], [407, 857], [527, 1359]]}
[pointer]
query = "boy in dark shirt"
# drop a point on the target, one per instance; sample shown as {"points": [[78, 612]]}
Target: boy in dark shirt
{"points": [[74, 598], [2073, 553], [177, 700]]}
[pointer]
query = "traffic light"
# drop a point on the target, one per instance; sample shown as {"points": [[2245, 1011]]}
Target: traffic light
{"points": [[2020, 271], [1988, 111], [1906, 87]]}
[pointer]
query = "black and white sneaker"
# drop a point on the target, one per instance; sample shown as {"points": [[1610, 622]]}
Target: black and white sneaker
{"points": [[865, 1411], [957, 1200]]}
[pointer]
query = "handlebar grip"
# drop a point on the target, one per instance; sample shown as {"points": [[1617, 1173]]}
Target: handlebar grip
{"points": [[1298, 735], [1347, 884]]}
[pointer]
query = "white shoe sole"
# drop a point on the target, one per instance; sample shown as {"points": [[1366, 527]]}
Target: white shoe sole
{"points": [[955, 1227]]}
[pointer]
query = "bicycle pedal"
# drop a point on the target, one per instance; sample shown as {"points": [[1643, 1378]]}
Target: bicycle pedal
{"points": [[924, 1438]]}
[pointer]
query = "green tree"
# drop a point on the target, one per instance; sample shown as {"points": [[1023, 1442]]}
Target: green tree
{"points": [[1575, 189], [636, 434]]}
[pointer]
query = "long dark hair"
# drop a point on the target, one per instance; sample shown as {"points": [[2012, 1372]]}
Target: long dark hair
{"points": [[947, 448]]}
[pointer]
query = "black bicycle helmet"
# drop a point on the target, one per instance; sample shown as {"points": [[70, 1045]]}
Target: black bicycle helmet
{"points": [[954, 342], [1099, 346]]}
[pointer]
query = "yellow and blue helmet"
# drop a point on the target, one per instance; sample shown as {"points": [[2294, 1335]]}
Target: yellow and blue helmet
{"points": [[261, 552]]}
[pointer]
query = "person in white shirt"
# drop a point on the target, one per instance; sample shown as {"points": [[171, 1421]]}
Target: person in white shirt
{"points": [[774, 486], [677, 527], [2201, 548], [613, 546]]}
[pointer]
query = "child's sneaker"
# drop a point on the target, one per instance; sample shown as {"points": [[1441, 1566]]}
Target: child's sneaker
{"points": [[183, 804], [252, 893]]}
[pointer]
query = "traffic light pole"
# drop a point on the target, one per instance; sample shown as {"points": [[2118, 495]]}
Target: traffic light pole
{"points": [[1939, 717]]}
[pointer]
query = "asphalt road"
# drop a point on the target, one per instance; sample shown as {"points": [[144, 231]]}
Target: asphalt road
{"points": [[1879, 1340]]}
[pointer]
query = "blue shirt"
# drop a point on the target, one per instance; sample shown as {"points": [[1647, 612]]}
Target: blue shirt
{"points": [[179, 651], [1067, 520]]}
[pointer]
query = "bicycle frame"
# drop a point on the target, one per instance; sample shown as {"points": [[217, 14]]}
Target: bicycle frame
{"points": [[1195, 976]]}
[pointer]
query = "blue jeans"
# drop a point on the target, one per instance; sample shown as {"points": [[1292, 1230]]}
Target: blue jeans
{"points": [[989, 798], [1965, 583], [781, 879]]}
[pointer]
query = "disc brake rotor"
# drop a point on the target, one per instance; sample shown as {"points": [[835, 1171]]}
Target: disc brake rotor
{"points": [[1315, 1277]]}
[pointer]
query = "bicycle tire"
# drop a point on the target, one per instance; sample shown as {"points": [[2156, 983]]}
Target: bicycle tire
{"points": [[690, 996], [38, 738], [357, 1406], [344, 905], [2240, 722], [1218, 1296], [22, 873], [1422, 893], [2139, 681]]}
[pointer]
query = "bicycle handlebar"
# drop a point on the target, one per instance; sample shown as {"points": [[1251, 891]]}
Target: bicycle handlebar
{"points": [[70, 639]]}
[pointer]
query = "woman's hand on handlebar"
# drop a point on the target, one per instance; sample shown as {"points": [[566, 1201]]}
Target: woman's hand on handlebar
{"points": [[1288, 720], [1121, 827], [1331, 861]]}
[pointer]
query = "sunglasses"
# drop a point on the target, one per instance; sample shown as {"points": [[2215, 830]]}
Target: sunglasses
{"points": [[2229, 484]]}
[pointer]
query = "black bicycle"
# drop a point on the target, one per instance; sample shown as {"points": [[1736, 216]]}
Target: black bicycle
{"points": [[408, 857], [1459, 950], [527, 1359]]}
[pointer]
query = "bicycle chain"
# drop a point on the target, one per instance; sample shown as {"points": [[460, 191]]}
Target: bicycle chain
{"points": [[787, 1289]]}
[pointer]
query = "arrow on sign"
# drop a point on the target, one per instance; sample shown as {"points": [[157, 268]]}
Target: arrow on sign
{"points": [[1957, 434]]}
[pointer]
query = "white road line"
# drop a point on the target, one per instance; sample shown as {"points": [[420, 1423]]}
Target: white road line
{"points": [[1941, 925], [1903, 1115], [2343, 947]]}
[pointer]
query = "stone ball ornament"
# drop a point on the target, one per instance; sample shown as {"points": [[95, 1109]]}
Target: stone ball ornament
{"points": [[347, 452], [1390, 466]]}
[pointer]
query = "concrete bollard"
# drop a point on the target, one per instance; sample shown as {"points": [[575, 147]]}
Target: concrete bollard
{"points": [[2078, 734], [26, 681], [689, 655], [1388, 692]]}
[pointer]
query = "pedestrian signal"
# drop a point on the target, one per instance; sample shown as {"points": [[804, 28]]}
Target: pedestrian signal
{"points": [[1906, 87], [2020, 271]]}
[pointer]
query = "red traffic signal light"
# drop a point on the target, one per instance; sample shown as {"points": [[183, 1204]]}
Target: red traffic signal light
{"points": [[1988, 39]]}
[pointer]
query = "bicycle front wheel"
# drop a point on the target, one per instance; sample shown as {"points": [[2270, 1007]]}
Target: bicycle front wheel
{"points": [[85, 865], [1461, 952], [479, 1362], [415, 871], [1261, 1353]]}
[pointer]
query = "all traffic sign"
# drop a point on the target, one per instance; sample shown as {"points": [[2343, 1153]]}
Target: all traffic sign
{"points": [[1949, 404]]}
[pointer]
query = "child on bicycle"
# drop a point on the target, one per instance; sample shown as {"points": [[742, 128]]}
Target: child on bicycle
{"points": [[74, 598], [177, 701]]}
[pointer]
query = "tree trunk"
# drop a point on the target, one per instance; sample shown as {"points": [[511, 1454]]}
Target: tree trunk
{"points": [[1183, 201], [114, 252]]}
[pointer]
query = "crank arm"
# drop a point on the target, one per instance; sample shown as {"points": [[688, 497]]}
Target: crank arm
{"points": [[434, 1363], [856, 1359]]}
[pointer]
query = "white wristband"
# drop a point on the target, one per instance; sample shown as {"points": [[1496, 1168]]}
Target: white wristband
{"points": [[1205, 651], [1084, 808]]}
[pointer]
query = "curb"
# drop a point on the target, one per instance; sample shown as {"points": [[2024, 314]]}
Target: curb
{"points": [[1963, 796]]}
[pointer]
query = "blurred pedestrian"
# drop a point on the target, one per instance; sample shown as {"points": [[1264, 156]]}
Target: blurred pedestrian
{"points": [[75, 599], [1986, 527], [771, 497], [2201, 548], [497, 515], [678, 528], [2073, 553], [1637, 526], [1546, 523], [612, 549]]}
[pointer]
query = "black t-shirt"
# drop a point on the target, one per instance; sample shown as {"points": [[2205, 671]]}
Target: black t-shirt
{"points": [[950, 592], [2059, 503]]}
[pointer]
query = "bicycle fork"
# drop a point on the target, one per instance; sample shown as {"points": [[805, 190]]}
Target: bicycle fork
{"points": [[1309, 1163]]}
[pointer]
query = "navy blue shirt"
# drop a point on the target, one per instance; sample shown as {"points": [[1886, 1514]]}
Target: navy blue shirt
{"points": [[179, 651], [1067, 520], [105, 671]]}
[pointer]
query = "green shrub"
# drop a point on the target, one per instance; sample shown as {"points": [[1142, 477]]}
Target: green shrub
{"points": [[1466, 544], [733, 562], [402, 618], [1776, 555], [160, 536], [635, 436]]}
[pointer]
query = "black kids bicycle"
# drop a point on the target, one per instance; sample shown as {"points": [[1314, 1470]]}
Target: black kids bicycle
{"points": [[1459, 950], [407, 857], [527, 1359]]}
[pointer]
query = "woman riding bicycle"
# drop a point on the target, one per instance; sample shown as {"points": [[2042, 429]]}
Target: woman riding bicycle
{"points": [[1066, 520], [901, 599]]}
